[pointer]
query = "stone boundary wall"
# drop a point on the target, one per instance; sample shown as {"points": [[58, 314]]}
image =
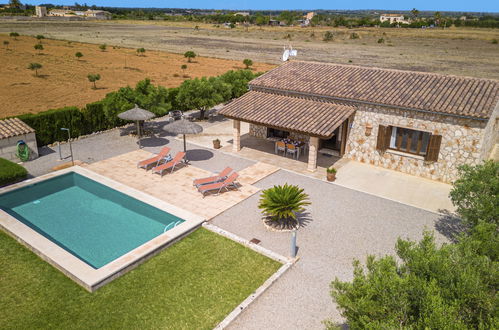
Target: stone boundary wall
{"points": [[462, 141]]}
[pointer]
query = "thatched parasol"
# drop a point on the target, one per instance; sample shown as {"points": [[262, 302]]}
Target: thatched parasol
{"points": [[183, 127], [136, 114]]}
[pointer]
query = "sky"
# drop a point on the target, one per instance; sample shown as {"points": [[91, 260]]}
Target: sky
{"points": [[441, 5]]}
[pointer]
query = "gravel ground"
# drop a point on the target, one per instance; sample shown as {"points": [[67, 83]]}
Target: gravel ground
{"points": [[339, 226]]}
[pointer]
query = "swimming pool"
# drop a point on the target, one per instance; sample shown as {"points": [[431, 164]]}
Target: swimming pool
{"points": [[91, 218]]}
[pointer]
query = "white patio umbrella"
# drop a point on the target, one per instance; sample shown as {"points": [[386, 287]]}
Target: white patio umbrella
{"points": [[183, 127], [136, 114]]}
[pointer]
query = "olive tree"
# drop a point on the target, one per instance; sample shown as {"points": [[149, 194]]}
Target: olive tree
{"points": [[93, 77], [141, 51], [78, 55], [14, 35], [203, 94], [248, 63], [35, 67], [39, 48], [189, 55]]}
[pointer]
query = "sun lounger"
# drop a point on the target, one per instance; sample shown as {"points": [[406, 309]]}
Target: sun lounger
{"points": [[171, 164], [154, 160], [218, 186], [213, 179]]}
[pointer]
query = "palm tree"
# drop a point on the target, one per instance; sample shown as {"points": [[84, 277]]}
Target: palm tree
{"points": [[281, 203], [415, 13]]}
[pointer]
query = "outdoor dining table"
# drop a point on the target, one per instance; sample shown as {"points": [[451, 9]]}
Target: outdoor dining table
{"points": [[300, 146]]}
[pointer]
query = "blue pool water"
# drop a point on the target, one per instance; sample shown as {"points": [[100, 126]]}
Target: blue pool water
{"points": [[95, 223]]}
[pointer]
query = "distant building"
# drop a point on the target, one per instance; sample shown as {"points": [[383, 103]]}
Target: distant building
{"points": [[242, 13], [309, 16], [393, 18], [40, 11], [97, 14]]}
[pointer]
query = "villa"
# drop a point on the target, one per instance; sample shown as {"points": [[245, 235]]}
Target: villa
{"points": [[423, 124]]}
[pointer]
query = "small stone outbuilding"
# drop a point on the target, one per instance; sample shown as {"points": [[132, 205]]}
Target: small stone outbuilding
{"points": [[12, 131]]}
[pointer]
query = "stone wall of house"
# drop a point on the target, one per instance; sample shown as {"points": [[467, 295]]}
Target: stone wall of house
{"points": [[461, 141], [258, 131], [491, 136], [261, 132]]}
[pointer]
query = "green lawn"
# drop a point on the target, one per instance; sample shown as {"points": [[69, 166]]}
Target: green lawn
{"points": [[193, 284]]}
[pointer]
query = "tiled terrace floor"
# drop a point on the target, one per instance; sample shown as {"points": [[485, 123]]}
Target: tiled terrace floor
{"points": [[176, 188]]}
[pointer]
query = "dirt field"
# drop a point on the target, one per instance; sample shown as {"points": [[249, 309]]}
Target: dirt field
{"points": [[460, 51], [63, 79]]}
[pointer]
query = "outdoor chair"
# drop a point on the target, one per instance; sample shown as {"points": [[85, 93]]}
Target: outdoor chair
{"points": [[176, 114], [219, 186], [154, 160], [213, 179], [280, 146], [292, 149], [171, 164]]}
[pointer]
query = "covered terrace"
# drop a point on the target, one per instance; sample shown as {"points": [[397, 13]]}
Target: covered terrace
{"points": [[321, 125]]}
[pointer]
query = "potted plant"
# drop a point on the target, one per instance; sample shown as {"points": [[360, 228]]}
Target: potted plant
{"points": [[279, 206], [331, 173], [216, 144]]}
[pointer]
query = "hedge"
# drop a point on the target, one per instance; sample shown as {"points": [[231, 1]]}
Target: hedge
{"points": [[11, 172], [102, 115]]}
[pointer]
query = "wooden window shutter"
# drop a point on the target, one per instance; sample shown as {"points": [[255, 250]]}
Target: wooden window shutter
{"points": [[433, 148], [383, 140]]}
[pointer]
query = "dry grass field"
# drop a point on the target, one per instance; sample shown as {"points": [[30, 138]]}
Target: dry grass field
{"points": [[63, 79], [459, 51]]}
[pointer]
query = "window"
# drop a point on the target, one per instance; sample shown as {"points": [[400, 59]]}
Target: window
{"points": [[276, 133], [409, 140]]}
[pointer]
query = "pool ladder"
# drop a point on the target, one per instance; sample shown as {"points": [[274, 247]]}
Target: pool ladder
{"points": [[167, 227]]}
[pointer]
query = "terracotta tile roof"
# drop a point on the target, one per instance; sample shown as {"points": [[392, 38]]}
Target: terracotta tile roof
{"points": [[316, 118], [13, 127], [445, 94]]}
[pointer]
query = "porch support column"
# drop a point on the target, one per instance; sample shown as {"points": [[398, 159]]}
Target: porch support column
{"points": [[312, 153], [236, 140]]}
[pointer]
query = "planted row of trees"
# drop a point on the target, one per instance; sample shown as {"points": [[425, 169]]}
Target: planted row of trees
{"points": [[199, 93], [453, 286]]}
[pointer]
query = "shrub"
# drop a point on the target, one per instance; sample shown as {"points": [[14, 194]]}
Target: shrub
{"points": [[6, 43], [78, 55], [103, 47], [247, 62], [328, 36], [11, 172], [354, 35], [141, 51], [35, 67], [450, 287], [189, 55], [494, 41], [40, 37], [282, 202], [381, 40], [93, 77], [48, 124], [476, 193]]}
